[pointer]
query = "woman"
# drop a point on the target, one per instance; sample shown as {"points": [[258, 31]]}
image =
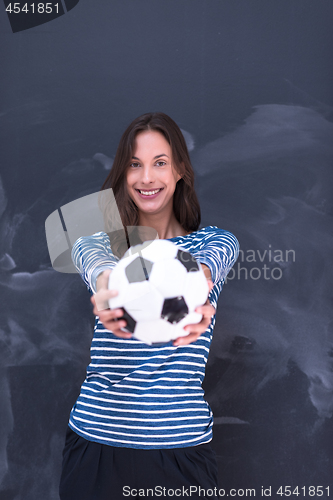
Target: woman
{"points": [[141, 423]]}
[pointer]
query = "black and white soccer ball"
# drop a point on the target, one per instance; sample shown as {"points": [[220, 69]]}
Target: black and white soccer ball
{"points": [[159, 287]]}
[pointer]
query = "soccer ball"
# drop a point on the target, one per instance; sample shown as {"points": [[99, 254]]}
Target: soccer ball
{"points": [[159, 286]]}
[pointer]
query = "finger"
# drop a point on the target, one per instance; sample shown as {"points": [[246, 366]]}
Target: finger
{"points": [[206, 310], [191, 337], [123, 335], [109, 314], [201, 326], [113, 323], [116, 327], [198, 327]]}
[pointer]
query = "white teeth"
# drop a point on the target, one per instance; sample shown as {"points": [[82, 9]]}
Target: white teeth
{"points": [[149, 193]]}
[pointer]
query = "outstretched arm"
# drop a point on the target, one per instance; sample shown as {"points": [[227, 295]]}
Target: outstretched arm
{"points": [[91, 256], [217, 254]]}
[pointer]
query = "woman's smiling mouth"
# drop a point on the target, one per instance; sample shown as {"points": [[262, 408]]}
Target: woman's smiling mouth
{"points": [[149, 193]]}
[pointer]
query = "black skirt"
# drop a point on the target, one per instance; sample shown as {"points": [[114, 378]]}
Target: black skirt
{"points": [[93, 471]]}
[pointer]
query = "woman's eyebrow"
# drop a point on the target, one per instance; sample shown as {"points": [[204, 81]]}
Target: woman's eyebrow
{"points": [[158, 156]]}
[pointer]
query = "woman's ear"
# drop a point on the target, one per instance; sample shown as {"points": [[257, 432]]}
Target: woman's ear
{"points": [[182, 169], [176, 173]]}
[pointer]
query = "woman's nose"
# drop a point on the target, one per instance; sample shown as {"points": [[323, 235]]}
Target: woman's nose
{"points": [[147, 174]]}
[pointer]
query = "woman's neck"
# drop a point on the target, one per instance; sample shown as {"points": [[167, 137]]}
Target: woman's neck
{"points": [[166, 226]]}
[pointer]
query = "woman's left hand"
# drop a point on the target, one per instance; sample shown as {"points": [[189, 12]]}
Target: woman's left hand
{"points": [[195, 330]]}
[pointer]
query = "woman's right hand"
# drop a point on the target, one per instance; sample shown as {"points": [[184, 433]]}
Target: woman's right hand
{"points": [[108, 317]]}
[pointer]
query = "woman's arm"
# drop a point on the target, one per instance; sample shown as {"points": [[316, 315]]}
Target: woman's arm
{"points": [[91, 256], [94, 260], [217, 252]]}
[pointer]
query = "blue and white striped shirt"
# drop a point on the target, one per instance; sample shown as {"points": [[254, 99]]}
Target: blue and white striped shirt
{"points": [[141, 396]]}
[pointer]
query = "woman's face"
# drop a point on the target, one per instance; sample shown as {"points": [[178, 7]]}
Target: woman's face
{"points": [[151, 177]]}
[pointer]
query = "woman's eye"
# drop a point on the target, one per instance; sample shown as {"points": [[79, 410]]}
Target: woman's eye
{"points": [[160, 163], [135, 165]]}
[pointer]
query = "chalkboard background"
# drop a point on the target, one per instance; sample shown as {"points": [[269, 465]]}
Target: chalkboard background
{"points": [[250, 84]]}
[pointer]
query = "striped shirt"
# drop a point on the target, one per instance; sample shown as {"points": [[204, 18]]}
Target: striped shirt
{"points": [[141, 396]]}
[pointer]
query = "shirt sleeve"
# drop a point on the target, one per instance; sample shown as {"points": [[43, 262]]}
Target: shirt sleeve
{"points": [[218, 250], [91, 256]]}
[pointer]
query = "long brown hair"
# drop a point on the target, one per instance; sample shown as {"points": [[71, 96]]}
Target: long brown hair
{"points": [[185, 202]]}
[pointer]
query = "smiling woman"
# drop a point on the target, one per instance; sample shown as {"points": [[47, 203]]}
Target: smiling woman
{"points": [[166, 139], [151, 183], [141, 418]]}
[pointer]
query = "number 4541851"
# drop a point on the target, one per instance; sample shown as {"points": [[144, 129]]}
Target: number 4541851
{"points": [[308, 491], [40, 8]]}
